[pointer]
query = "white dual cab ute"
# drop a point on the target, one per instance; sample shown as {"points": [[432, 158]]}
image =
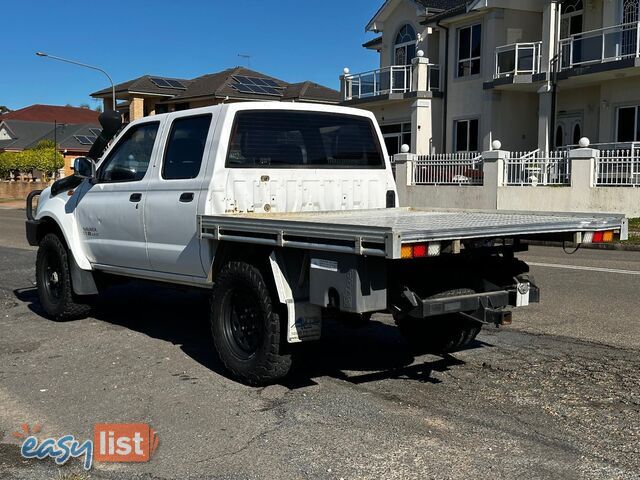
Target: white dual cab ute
{"points": [[287, 214]]}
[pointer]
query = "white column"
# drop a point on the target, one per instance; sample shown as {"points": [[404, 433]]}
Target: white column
{"points": [[404, 175], [421, 126], [583, 167], [493, 169]]}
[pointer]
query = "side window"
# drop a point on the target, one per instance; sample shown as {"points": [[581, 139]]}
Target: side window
{"points": [[185, 147], [469, 50], [129, 159], [466, 135]]}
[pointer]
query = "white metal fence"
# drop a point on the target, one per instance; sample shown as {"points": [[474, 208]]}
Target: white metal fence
{"points": [[618, 168], [463, 168], [538, 168]]}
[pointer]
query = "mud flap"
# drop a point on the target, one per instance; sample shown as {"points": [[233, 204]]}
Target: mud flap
{"points": [[304, 320]]}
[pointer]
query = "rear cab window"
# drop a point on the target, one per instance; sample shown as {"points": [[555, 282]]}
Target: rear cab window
{"points": [[299, 139]]}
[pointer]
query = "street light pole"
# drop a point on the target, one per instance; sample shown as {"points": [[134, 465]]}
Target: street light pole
{"points": [[113, 88]]}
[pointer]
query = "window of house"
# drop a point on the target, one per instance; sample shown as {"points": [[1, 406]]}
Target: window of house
{"points": [[628, 124], [404, 50], [395, 135], [181, 106], [291, 139], [185, 147], [571, 14], [469, 50], [130, 157], [466, 135]]}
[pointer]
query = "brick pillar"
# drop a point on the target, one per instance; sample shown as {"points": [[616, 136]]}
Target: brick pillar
{"points": [[136, 108]]}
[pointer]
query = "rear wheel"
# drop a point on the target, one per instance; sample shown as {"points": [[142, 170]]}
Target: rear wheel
{"points": [[53, 280], [442, 334], [246, 327]]}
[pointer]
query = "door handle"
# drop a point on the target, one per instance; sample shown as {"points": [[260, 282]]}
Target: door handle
{"points": [[186, 197], [135, 197]]}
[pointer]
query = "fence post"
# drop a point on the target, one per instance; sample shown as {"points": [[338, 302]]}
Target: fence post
{"points": [[583, 166], [404, 174], [493, 168]]}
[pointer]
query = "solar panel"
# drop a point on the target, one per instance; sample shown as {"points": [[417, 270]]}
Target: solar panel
{"points": [[160, 82], [176, 84], [95, 131], [261, 86], [84, 139], [272, 91], [167, 83], [241, 88]]}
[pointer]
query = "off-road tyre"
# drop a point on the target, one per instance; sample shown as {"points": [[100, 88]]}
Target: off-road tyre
{"points": [[53, 281], [442, 334], [246, 326]]}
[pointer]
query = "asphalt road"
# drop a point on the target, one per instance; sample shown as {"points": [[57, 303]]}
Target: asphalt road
{"points": [[557, 395]]}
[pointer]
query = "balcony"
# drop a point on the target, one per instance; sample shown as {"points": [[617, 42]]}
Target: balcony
{"points": [[518, 59], [396, 79], [600, 46]]}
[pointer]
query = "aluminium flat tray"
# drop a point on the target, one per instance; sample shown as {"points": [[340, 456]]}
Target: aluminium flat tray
{"points": [[381, 232]]}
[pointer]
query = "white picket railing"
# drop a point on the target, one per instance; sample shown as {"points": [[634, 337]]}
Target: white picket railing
{"points": [[618, 168], [463, 168], [537, 168]]}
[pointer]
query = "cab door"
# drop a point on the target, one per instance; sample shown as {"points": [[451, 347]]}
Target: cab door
{"points": [[110, 211], [175, 195]]}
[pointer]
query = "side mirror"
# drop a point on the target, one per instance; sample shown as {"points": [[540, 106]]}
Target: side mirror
{"points": [[84, 167]]}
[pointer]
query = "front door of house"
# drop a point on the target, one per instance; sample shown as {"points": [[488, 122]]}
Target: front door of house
{"points": [[569, 128]]}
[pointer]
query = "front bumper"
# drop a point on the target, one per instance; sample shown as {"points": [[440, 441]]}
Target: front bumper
{"points": [[32, 232], [31, 225]]}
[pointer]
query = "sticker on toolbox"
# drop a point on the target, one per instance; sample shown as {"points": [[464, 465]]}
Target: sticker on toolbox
{"points": [[322, 264]]}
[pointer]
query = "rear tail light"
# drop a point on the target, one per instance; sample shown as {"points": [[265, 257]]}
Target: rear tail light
{"points": [[420, 250], [606, 236]]}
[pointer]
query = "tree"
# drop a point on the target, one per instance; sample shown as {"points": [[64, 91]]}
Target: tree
{"points": [[4, 109], [45, 158]]}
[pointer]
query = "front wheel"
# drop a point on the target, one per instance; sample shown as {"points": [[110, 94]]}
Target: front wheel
{"points": [[246, 327], [53, 280]]}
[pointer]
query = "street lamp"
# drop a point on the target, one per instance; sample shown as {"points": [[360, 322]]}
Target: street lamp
{"points": [[113, 88]]}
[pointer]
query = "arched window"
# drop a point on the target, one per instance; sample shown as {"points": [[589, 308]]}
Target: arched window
{"points": [[571, 18], [577, 134], [630, 15], [405, 46], [559, 136]]}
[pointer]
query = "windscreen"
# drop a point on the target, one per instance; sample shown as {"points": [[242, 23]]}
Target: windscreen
{"points": [[294, 139]]}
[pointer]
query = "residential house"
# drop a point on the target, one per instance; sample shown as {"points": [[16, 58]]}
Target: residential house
{"points": [[148, 95], [455, 75], [73, 140]]}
